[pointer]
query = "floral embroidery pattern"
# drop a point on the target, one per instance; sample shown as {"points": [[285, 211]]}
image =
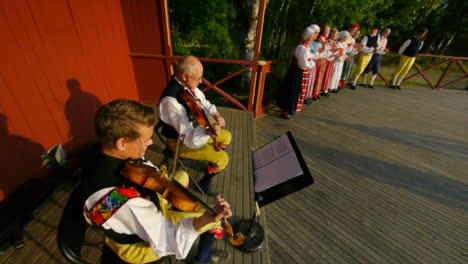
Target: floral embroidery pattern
{"points": [[110, 203]]}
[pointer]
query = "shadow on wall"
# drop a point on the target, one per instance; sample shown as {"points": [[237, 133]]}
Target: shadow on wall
{"points": [[432, 186], [20, 159], [448, 147], [80, 109]]}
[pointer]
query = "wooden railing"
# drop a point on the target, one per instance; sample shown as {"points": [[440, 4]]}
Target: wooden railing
{"points": [[260, 69], [257, 79], [450, 60]]}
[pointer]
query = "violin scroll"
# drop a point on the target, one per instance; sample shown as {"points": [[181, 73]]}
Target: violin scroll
{"points": [[235, 239]]}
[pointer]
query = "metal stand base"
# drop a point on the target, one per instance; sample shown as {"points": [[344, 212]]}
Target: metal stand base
{"points": [[254, 236]]}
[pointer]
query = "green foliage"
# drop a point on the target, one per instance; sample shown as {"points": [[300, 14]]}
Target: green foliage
{"points": [[216, 28], [404, 16], [204, 28]]}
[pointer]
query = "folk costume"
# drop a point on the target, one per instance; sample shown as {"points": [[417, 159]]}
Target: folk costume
{"points": [[329, 71], [375, 62], [315, 56], [339, 61], [316, 87], [350, 51], [293, 94], [329, 61], [324, 67], [370, 43], [407, 52], [139, 226], [179, 123]]}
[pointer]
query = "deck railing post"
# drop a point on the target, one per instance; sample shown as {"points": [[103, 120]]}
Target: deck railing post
{"points": [[442, 77], [264, 68]]}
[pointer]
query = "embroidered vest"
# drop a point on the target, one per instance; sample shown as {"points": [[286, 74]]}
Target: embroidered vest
{"points": [[109, 204]]}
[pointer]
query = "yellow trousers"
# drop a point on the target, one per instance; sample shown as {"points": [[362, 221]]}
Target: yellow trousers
{"points": [[207, 153], [363, 60], [404, 66]]}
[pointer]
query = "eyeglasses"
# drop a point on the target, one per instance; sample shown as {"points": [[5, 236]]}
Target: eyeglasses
{"points": [[196, 79]]}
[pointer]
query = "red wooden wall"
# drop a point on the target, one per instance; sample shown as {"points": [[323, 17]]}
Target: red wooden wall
{"points": [[147, 25], [59, 61]]}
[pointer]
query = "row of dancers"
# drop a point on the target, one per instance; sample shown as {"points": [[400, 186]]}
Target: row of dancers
{"points": [[327, 60]]}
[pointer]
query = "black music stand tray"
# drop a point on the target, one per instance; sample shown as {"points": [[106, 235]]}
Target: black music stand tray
{"points": [[279, 170]]}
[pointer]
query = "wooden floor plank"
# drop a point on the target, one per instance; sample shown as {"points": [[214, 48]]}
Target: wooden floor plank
{"points": [[390, 176], [40, 241], [390, 183]]}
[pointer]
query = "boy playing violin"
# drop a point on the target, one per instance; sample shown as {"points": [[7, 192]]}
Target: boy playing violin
{"points": [[137, 223], [179, 123]]}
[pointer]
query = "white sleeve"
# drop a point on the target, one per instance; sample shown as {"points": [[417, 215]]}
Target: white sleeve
{"points": [[141, 217], [366, 49], [208, 106], [382, 46], [164, 237], [420, 47], [175, 115], [404, 46], [302, 56]]}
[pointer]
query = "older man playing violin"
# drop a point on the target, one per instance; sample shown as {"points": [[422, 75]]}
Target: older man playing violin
{"points": [[180, 124], [138, 224]]}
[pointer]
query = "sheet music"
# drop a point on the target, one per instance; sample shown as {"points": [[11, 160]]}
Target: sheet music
{"points": [[275, 163]]}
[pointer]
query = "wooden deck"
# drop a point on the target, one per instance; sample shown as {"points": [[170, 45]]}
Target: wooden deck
{"points": [[235, 182], [391, 183], [391, 179]]}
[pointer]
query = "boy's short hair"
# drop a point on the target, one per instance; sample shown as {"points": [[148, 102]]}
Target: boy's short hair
{"points": [[120, 119]]}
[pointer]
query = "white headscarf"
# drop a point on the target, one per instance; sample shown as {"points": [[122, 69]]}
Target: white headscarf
{"points": [[342, 34], [315, 27], [307, 33]]}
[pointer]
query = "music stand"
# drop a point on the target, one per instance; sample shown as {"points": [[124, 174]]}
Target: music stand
{"points": [[279, 170]]}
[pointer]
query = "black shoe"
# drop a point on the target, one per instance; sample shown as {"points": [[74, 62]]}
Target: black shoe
{"points": [[392, 87], [326, 94], [318, 97], [308, 101], [398, 87], [370, 86], [352, 87], [363, 85], [314, 99]]}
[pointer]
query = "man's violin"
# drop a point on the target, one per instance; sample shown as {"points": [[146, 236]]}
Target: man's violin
{"points": [[203, 117], [176, 194]]}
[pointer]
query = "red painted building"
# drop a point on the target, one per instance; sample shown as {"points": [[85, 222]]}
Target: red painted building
{"points": [[61, 60]]}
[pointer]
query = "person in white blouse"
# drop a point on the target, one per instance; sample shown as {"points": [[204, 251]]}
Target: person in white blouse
{"points": [[342, 39], [181, 126], [143, 228], [292, 94], [375, 62], [351, 50]]}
